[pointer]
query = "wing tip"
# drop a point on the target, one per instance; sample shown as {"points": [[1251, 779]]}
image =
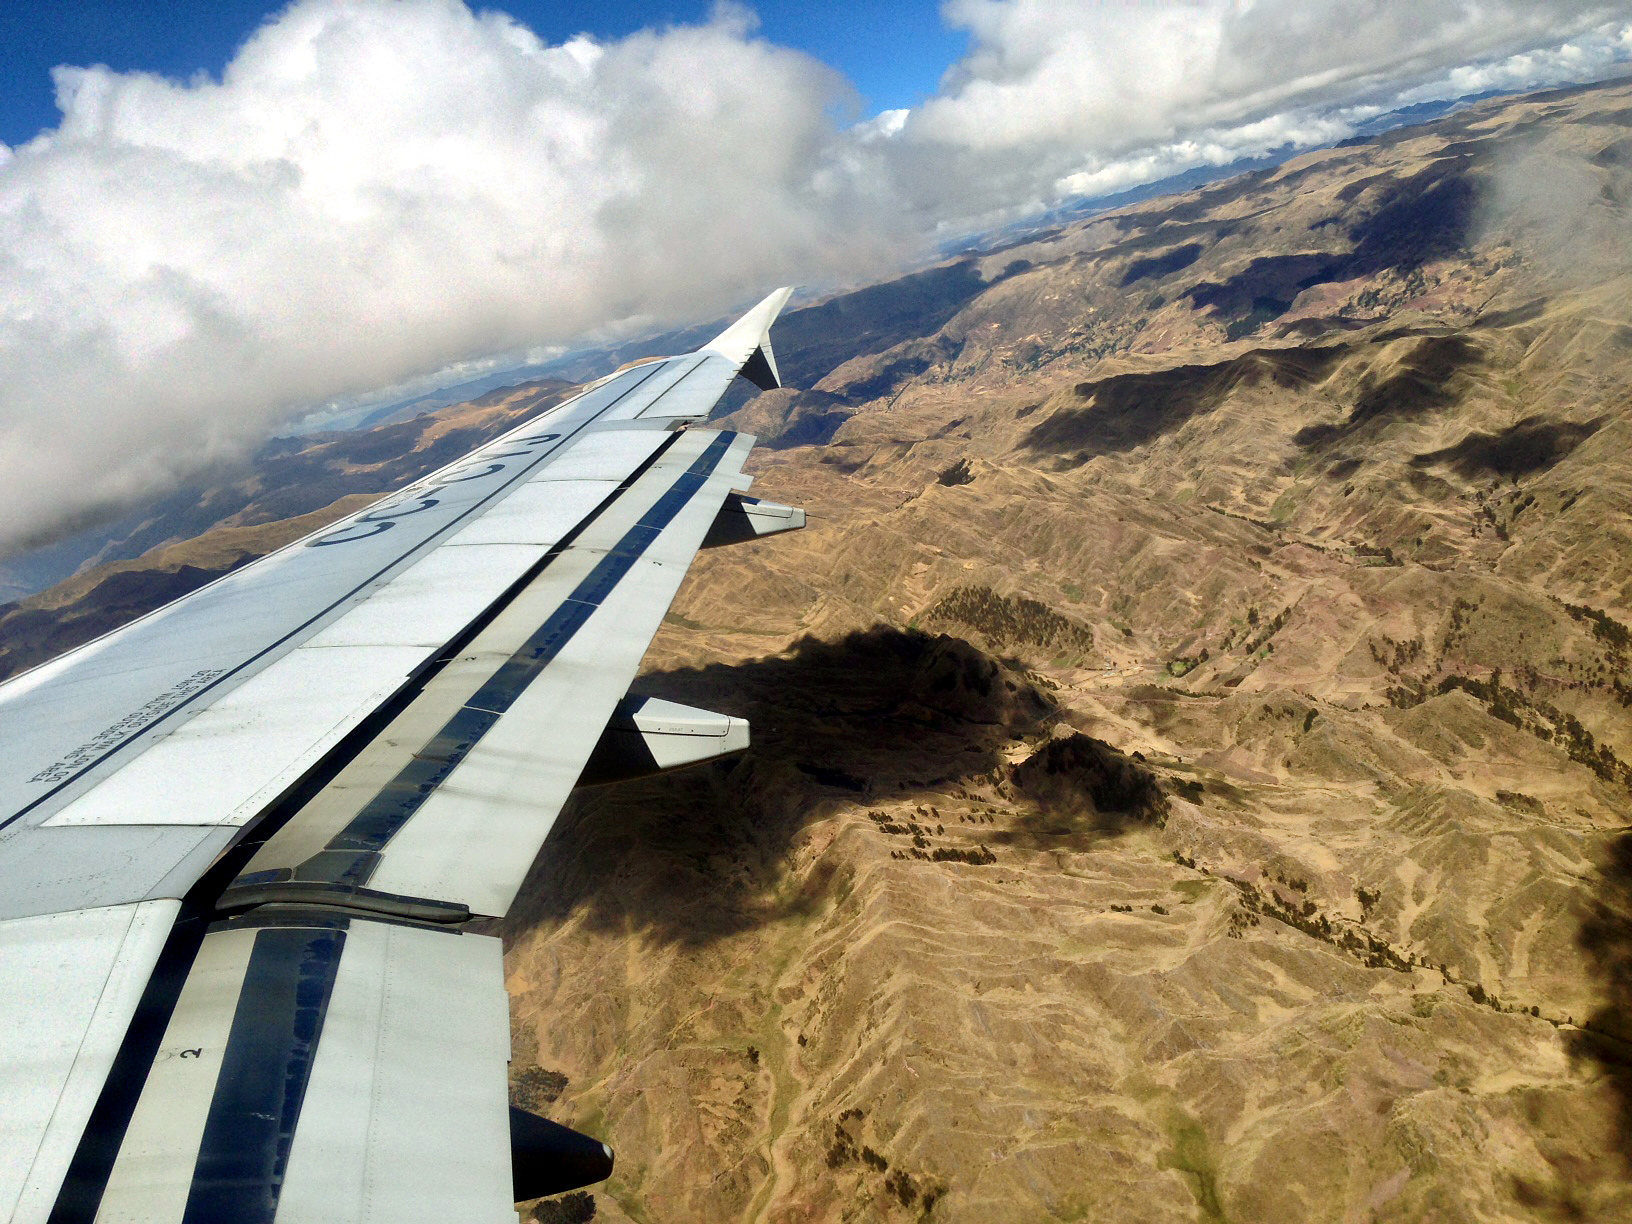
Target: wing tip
{"points": [[747, 342]]}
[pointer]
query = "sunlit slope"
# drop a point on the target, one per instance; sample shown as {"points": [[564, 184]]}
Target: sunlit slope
{"points": [[1308, 496], [1193, 760]]}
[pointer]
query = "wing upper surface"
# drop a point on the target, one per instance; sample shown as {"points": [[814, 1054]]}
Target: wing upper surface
{"points": [[405, 699], [451, 802]]}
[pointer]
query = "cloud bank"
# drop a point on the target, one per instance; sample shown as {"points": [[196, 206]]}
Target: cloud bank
{"points": [[377, 189], [1062, 97]]}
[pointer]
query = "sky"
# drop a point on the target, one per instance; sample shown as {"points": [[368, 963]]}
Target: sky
{"points": [[892, 51], [215, 217]]}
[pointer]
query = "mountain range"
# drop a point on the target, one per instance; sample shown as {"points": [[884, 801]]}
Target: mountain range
{"points": [[1192, 774]]}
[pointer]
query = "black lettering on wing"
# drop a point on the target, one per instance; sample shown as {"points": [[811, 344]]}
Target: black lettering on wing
{"points": [[340, 537], [458, 476]]}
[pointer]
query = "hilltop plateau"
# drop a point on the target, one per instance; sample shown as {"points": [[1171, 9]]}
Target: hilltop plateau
{"points": [[1192, 774]]}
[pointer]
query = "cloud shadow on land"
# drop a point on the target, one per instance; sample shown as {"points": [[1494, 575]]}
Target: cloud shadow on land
{"points": [[1533, 445], [1126, 411], [1078, 791], [699, 854], [878, 716], [1605, 1038], [1423, 382], [1408, 221]]}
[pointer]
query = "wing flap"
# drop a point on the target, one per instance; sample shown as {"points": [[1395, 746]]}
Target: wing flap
{"points": [[72, 983], [322, 1067]]}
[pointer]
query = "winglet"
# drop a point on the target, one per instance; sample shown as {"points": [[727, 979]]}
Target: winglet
{"points": [[747, 342]]}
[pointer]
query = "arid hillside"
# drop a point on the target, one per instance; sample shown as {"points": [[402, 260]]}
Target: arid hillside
{"points": [[1192, 775], [1193, 756]]}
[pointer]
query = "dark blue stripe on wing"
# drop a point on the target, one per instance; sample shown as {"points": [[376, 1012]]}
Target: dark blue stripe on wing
{"points": [[395, 804], [264, 1072]]}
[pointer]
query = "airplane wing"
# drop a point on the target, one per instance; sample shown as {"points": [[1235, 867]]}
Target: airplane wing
{"points": [[250, 843]]}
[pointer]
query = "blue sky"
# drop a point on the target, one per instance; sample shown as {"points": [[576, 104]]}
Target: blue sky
{"points": [[894, 51]]}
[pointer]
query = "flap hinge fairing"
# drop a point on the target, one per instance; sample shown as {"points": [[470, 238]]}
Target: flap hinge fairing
{"points": [[747, 518], [760, 368], [647, 735]]}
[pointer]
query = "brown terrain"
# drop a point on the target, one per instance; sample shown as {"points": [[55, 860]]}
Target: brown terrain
{"points": [[1193, 761]]}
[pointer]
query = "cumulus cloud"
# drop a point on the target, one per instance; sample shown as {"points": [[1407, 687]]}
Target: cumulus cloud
{"points": [[378, 189], [1063, 95]]}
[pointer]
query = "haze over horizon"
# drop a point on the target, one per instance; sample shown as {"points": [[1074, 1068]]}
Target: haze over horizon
{"points": [[369, 192]]}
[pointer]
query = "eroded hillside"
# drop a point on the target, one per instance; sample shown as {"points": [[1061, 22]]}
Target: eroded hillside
{"points": [[1193, 763]]}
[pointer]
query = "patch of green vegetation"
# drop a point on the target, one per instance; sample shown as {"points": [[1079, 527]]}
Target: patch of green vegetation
{"points": [[1395, 656], [575, 1208], [1192, 890], [590, 1118], [1306, 917], [1188, 788], [1185, 664], [1264, 310], [1004, 620], [1605, 628], [980, 856], [1192, 1156], [1285, 506], [534, 1088], [1260, 640], [1539, 718], [1371, 554]]}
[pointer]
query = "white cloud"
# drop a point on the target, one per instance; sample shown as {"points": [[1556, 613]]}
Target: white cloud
{"points": [[374, 189], [1585, 59], [1066, 94], [1211, 148]]}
